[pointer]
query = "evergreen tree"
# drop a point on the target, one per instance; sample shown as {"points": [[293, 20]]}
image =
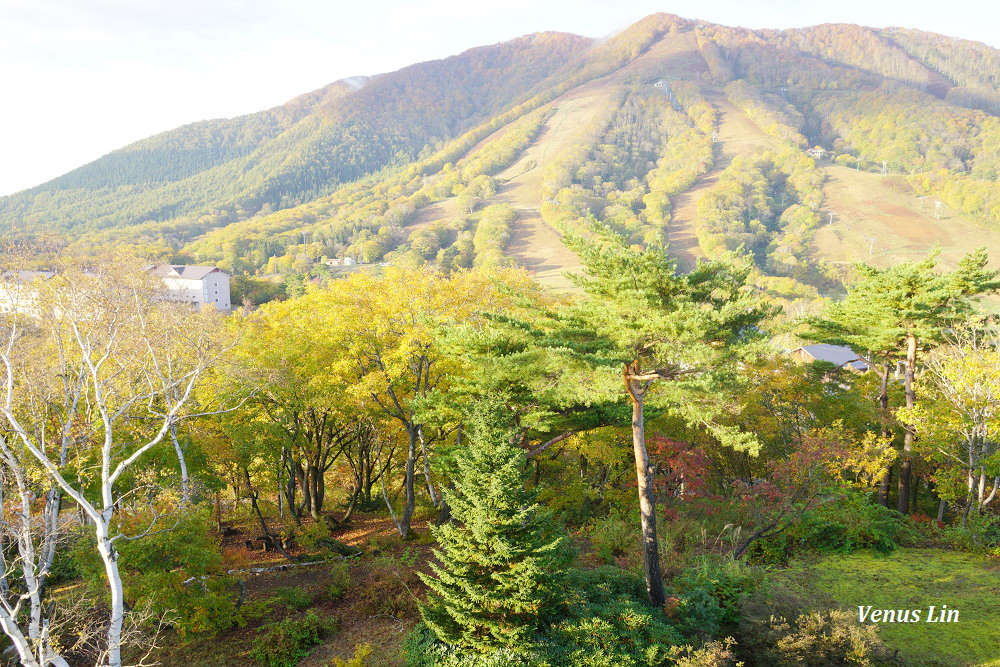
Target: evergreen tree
{"points": [[898, 311], [500, 571], [659, 325]]}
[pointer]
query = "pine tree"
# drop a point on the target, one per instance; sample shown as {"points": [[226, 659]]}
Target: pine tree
{"points": [[898, 311], [500, 572]]}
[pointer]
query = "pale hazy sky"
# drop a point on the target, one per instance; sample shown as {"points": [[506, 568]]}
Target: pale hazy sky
{"points": [[79, 78]]}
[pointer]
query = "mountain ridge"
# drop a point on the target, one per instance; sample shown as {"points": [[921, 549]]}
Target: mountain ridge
{"points": [[415, 164]]}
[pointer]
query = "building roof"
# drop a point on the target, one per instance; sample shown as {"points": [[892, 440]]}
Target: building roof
{"points": [[180, 271], [841, 355], [23, 277]]}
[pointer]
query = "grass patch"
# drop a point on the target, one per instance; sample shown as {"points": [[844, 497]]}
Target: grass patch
{"points": [[912, 579]]}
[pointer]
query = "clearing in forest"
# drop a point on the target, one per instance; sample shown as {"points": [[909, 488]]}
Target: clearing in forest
{"points": [[882, 221]]}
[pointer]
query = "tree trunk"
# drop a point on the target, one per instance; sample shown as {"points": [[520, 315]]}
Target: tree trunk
{"points": [[110, 557], [218, 511], [942, 509], [306, 505], [352, 505], [411, 496], [316, 491], [444, 511], [883, 401], [427, 467], [647, 499], [286, 466], [883, 487], [260, 516], [906, 464], [368, 482], [185, 491]]}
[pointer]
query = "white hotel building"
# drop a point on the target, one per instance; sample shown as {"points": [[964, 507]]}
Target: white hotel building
{"points": [[197, 285]]}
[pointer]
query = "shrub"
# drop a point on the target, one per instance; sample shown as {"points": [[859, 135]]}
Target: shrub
{"points": [[981, 534], [622, 631], [340, 580], [614, 535], [285, 643], [850, 523], [294, 598], [814, 639], [714, 654], [772, 550], [387, 592], [726, 581], [361, 654]]}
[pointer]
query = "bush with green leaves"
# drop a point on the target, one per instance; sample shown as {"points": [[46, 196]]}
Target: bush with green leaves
{"points": [[615, 534], [177, 571], [609, 623], [710, 593], [294, 598], [712, 654], [340, 580], [360, 658], [980, 534], [774, 549], [849, 523], [285, 643]]}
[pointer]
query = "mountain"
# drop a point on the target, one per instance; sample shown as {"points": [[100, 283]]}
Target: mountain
{"points": [[803, 149]]}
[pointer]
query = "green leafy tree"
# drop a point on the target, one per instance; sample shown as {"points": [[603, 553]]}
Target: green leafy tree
{"points": [[900, 310], [656, 324], [499, 577], [960, 424]]}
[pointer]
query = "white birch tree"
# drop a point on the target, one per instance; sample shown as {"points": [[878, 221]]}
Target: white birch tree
{"points": [[96, 370]]}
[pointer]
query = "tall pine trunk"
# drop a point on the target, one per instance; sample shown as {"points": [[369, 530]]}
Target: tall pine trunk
{"points": [[647, 499]]}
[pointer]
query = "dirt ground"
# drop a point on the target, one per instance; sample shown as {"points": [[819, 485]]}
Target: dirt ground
{"points": [[379, 606]]}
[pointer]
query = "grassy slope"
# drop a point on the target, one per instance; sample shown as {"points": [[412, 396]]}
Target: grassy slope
{"points": [[865, 207], [913, 579]]}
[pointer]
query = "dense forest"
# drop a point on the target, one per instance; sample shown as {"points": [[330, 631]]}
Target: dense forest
{"points": [[427, 467]]}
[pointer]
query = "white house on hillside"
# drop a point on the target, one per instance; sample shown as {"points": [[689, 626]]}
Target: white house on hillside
{"points": [[197, 285]]}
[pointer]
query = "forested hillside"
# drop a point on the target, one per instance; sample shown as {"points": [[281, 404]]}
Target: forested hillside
{"points": [[675, 132]]}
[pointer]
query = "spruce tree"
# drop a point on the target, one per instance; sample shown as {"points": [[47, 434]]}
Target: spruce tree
{"points": [[501, 560]]}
